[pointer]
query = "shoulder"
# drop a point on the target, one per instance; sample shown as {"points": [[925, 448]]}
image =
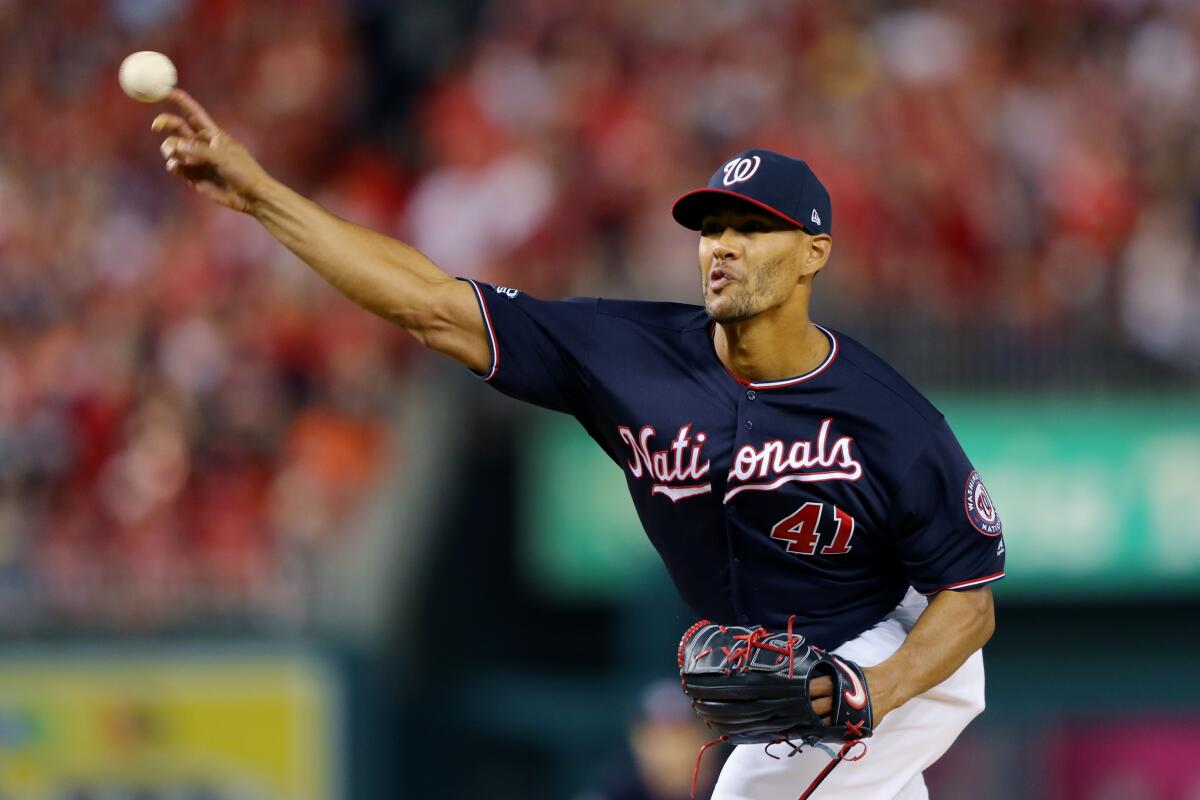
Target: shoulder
{"points": [[652, 314], [876, 379]]}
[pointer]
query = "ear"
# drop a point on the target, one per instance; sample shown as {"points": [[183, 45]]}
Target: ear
{"points": [[819, 248]]}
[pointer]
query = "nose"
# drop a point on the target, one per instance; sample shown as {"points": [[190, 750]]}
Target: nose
{"points": [[723, 249]]}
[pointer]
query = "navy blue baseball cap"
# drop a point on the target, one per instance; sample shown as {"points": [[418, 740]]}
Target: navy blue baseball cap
{"points": [[786, 187]]}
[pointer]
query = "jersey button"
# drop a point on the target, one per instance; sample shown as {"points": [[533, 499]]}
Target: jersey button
{"points": [[750, 395], [749, 425], [744, 619]]}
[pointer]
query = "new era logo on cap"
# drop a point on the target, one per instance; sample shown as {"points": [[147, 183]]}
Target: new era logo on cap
{"points": [[786, 187]]}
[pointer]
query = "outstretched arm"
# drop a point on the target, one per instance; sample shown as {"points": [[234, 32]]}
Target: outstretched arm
{"points": [[383, 275], [955, 625]]}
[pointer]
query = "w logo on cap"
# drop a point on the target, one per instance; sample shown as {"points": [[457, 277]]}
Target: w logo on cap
{"points": [[741, 169], [774, 183]]}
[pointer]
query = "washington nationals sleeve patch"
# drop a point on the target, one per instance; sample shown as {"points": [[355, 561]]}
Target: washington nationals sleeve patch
{"points": [[980, 511]]}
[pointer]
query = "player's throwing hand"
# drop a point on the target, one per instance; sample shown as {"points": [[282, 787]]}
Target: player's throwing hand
{"points": [[210, 160]]}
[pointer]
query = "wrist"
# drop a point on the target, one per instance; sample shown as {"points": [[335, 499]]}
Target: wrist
{"points": [[886, 686], [263, 196]]}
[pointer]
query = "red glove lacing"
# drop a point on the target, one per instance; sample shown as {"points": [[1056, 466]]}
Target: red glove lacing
{"points": [[740, 655]]}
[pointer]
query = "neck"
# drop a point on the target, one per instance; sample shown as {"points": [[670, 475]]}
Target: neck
{"points": [[778, 343]]}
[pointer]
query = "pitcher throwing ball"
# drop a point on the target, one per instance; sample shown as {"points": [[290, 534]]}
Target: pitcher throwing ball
{"points": [[796, 487]]}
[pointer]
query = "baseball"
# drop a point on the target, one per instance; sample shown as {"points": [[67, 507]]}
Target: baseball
{"points": [[147, 76]]}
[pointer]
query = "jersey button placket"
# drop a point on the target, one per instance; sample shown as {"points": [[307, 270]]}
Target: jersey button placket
{"points": [[736, 565]]}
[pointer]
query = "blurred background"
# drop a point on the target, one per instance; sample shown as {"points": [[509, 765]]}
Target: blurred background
{"points": [[254, 544]]}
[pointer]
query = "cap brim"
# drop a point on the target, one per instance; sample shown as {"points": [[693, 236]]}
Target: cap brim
{"points": [[690, 209]]}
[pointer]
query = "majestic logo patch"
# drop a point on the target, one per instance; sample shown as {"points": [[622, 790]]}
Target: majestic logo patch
{"points": [[740, 169], [505, 290], [980, 510]]}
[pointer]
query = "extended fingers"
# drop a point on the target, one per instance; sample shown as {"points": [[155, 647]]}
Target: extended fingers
{"points": [[172, 124], [185, 151], [193, 112]]}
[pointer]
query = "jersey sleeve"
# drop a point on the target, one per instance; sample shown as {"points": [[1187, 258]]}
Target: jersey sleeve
{"points": [[539, 347], [949, 534]]}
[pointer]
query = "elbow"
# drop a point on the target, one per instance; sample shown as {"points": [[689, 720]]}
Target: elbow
{"points": [[449, 322], [976, 614], [987, 628], [425, 331], [432, 327], [424, 314], [985, 618], [420, 326]]}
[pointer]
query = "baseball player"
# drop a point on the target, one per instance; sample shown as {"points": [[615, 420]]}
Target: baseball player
{"points": [[785, 474]]}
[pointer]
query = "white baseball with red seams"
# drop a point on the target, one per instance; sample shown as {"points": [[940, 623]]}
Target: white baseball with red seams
{"points": [[147, 76], [908, 740]]}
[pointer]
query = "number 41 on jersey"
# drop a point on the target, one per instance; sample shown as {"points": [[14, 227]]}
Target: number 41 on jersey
{"points": [[802, 531]]}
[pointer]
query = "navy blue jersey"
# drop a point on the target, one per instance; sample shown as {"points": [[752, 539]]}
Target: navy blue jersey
{"points": [[825, 495]]}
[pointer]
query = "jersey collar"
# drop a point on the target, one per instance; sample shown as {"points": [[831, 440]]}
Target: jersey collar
{"points": [[782, 382]]}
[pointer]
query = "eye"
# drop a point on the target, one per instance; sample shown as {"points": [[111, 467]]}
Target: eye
{"points": [[753, 226], [711, 228]]}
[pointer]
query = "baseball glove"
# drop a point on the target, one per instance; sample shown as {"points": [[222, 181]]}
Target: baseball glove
{"points": [[752, 686]]}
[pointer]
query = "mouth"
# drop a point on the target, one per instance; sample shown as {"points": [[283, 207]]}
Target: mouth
{"points": [[718, 278]]}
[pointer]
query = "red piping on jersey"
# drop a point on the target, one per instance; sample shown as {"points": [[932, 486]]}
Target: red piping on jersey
{"points": [[968, 584], [492, 341], [775, 211], [779, 384]]}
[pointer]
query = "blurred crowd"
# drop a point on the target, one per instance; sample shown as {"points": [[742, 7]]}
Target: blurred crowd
{"points": [[1024, 168], [188, 416]]}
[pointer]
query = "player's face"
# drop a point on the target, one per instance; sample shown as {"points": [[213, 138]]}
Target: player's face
{"points": [[750, 262]]}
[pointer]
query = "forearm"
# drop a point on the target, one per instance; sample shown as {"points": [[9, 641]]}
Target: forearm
{"points": [[381, 274], [954, 626]]}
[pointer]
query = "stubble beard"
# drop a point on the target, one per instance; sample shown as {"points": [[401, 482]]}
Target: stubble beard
{"points": [[737, 309], [750, 298]]}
